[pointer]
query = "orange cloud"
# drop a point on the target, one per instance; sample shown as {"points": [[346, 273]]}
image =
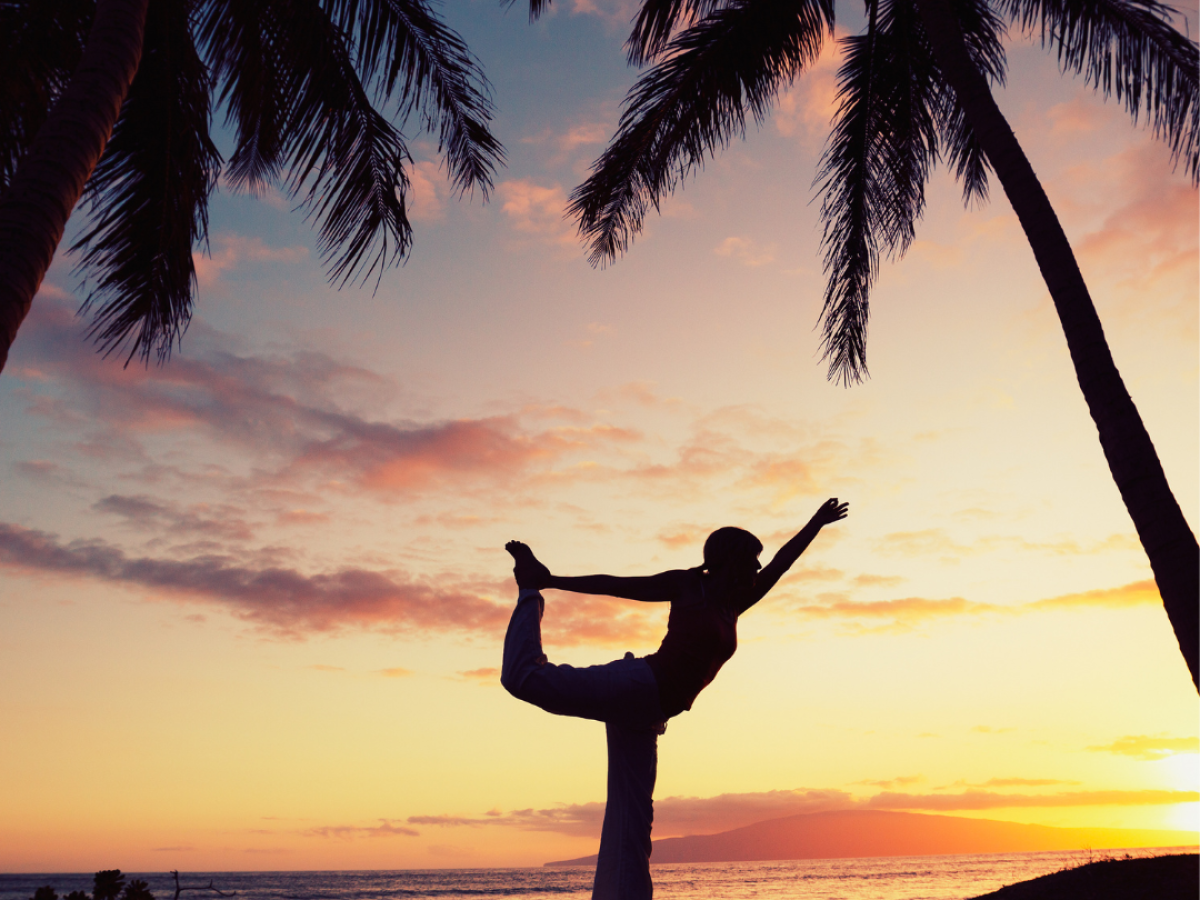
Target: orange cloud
{"points": [[384, 829], [675, 816], [906, 613], [976, 800], [1135, 594], [934, 542], [1142, 746]]}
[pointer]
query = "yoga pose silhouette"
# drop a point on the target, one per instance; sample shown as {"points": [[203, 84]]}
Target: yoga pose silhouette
{"points": [[635, 697]]}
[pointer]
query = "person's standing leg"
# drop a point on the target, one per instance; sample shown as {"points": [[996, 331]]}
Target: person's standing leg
{"points": [[623, 866]]}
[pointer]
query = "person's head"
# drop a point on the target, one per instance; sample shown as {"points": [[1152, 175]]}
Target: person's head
{"points": [[732, 551]]}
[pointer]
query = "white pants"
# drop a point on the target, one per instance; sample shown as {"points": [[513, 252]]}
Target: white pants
{"points": [[624, 696]]}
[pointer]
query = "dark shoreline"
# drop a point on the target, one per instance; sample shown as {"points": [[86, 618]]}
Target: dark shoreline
{"points": [[1175, 877]]}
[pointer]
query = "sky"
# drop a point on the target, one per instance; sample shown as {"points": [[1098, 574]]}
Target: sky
{"points": [[252, 601]]}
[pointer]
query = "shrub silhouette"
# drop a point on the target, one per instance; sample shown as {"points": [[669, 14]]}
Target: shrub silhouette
{"points": [[108, 884]]}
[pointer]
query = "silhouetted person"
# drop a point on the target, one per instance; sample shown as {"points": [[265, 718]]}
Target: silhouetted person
{"points": [[635, 697]]}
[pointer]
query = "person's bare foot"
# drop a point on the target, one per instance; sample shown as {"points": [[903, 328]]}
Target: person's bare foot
{"points": [[528, 571]]}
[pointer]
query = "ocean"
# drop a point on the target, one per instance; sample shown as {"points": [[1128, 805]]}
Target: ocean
{"points": [[878, 878]]}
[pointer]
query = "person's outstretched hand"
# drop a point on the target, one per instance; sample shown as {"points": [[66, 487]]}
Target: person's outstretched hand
{"points": [[831, 511], [529, 572]]}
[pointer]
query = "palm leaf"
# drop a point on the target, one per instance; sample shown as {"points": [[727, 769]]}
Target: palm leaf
{"points": [[729, 65], [874, 171], [40, 45], [148, 195], [409, 53], [340, 153], [1130, 48], [239, 38], [982, 31], [658, 20]]}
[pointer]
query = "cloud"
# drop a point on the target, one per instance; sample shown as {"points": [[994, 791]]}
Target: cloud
{"points": [[903, 614], [536, 210], [232, 251], [147, 514], [1146, 251], [977, 800], [807, 109], [900, 781], [1155, 747], [488, 675], [1136, 594], [1024, 782], [675, 816], [935, 542], [321, 667], [565, 143], [672, 815], [289, 602], [395, 672], [279, 599], [746, 251], [293, 413], [617, 13], [906, 613], [386, 828], [428, 192]]}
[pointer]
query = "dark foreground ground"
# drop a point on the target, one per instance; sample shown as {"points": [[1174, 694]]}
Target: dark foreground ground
{"points": [[1156, 878]]}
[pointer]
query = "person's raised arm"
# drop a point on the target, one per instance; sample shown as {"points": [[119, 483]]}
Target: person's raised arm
{"points": [[531, 573], [661, 588], [769, 575]]}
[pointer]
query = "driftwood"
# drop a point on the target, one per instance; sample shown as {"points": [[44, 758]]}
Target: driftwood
{"points": [[180, 888]]}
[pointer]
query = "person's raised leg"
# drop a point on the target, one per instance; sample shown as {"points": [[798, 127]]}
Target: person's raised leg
{"points": [[623, 865], [523, 641]]}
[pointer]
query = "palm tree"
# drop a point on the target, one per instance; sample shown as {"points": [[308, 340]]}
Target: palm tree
{"points": [[914, 87], [110, 100]]}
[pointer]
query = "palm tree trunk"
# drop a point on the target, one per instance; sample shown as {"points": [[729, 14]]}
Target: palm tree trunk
{"points": [[1161, 527], [50, 179]]}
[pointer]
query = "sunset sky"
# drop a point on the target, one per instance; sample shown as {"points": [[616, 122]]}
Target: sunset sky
{"points": [[252, 602]]}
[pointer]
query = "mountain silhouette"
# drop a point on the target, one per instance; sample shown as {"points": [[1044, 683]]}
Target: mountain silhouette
{"points": [[858, 833]]}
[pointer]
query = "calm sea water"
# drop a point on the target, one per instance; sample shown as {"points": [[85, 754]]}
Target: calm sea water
{"points": [[892, 878]]}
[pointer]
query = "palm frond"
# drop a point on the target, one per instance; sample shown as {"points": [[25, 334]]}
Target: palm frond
{"points": [[1130, 48], [40, 45], [982, 32], [729, 65], [873, 172], [148, 195], [409, 53], [536, 7], [340, 153], [239, 39], [658, 20]]}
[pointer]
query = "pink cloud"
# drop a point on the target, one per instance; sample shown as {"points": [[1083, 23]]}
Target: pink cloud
{"points": [[289, 411], [537, 211], [231, 251], [278, 599], [289, 602]]}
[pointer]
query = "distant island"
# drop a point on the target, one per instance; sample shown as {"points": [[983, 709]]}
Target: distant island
{"points": [[859, 833]]}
